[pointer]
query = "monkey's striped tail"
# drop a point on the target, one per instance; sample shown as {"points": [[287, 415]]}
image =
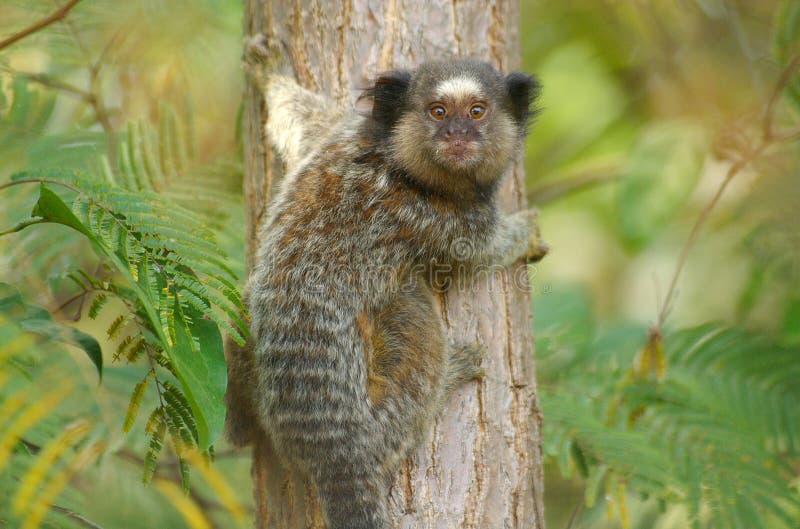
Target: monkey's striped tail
{"points": [[352, 499]]}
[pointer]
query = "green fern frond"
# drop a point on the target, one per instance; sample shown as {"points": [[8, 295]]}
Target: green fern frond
{"points": [[134, 403], [157, 431], [714, 432], [97, 305], [116, 326], [122, 347], [154, 421], [165, 265], [183, 467], [136, 350], [181, 435], [178, 403]]}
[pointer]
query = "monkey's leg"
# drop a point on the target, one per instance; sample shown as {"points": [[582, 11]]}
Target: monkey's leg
{"points": [[412, 370], [241, 420], [298, 120]]}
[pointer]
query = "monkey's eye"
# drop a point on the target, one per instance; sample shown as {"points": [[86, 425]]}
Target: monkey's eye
{"points": [[477, 111], [438, 112]]}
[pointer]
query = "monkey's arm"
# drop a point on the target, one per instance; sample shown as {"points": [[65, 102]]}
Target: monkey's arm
{"points": [[298, 120], [516, 235]]}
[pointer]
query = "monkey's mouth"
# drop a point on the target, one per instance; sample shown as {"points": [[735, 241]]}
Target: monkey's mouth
{"points": [[459, 151]]}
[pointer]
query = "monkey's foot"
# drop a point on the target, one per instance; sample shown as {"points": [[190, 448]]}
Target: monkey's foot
{"points": [[537, 248], [465, 363]]}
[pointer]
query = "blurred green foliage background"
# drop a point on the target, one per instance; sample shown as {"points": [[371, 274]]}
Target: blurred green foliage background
{"points": [[661, 411]]}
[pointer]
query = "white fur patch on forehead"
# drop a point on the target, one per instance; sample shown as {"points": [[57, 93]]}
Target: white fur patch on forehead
{"points": [[459, 88]]}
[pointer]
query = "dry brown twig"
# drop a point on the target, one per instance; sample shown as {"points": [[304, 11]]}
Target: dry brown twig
{"points": [[55, 16]]}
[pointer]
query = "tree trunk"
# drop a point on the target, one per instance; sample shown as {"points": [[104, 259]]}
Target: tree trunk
{"points": [[481, 465]]}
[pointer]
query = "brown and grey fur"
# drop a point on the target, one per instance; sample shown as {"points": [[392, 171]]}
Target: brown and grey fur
{"points": [[350, 360]]}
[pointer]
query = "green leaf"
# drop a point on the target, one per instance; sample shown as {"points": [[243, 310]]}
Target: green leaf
{"points": [[787, 42], [201, 371], [90, 346], [51, 208], [564, 327], [791, 321], [662, 171], [38, 321], [752, 291], [593, 485]]}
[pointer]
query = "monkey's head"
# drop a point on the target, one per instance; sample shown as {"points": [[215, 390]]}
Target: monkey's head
{"points": [[453, 125]]}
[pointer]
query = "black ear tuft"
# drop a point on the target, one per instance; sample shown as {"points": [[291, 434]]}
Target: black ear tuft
{"points": [[388, 96], [523, 90]]}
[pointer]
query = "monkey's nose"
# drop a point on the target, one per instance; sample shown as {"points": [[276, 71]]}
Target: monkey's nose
{"points": [[456, 131]]}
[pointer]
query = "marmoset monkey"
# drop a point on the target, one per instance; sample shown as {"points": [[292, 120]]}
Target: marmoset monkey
{"points": [[350, 362]]}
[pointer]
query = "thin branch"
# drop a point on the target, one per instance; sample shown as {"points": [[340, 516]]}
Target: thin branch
{"points": [[113, 43], [575, 512], [768, 137], [76, 37], [101, 113], [698, 225], [55, 16], [22, 225], [75, 516], [71, 300], [39, 181], [789, 135], [95, 95], [557, 190], [783, 81], [50, 82], [80, 296]]}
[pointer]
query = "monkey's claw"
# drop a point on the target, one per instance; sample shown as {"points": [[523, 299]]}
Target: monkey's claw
{"points": [[537, 248], [263, 56]]}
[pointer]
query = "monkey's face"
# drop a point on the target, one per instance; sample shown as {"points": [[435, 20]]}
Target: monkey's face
{"points": [[458, 120]]}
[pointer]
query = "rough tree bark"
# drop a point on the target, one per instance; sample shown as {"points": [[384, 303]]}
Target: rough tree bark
{"points": [[481, 465]]}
